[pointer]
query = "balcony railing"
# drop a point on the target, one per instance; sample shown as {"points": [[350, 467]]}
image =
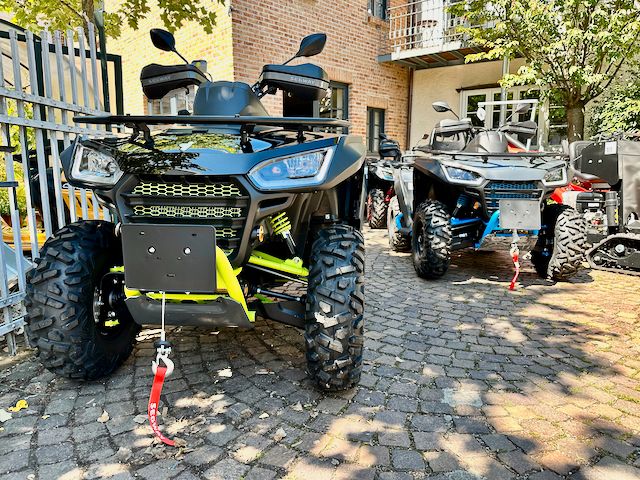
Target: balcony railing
{"points": [[423, 25]]}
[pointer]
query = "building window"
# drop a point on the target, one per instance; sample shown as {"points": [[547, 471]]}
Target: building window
{"points": [[375, 126], [173, 102], [378, 8], [551, 134], [335, 104]]}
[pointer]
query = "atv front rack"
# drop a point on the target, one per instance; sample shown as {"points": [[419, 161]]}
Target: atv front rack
{"points": [[247, 124]]}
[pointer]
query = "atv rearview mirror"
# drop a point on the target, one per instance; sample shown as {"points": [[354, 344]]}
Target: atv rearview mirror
{"points": [[481, 113], [441, 107], [162, 39], [522, 108], [165, 41], [312, 45]]}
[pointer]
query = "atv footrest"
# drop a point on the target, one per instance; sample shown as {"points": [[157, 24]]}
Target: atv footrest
{"points": [[223, 312], [288, 312]]}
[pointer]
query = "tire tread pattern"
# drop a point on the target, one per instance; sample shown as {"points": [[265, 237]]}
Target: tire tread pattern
{"points": [[59, 303], [334, 332], [569, 244], [377, 209], [436, 257]]}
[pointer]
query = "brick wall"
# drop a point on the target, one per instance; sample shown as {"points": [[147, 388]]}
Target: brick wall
{"points": [[136, 50], [269, 31]]}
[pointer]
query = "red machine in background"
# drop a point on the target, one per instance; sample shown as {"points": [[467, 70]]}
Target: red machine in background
{"points": [[606, 190]]}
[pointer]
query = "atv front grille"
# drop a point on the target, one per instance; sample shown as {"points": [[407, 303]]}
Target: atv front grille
{"points": [[194, 200], [186, 211], [496, 191], [187, 189]]}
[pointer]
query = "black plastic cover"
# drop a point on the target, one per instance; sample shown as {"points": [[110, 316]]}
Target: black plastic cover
{"points": [[158, 80], [488, 142], [226, 99], [306, 81]]}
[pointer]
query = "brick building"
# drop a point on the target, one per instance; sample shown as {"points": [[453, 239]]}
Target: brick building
{"points": [[249, 34]]}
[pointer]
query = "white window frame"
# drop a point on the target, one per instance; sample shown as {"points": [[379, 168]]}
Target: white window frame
{"points": [[543, 113]]}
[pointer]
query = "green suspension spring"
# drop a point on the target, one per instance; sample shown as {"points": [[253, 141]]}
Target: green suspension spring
{"points": [[282, 226]]}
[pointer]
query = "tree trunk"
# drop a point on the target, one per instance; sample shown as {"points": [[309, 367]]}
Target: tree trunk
{"points": [[575, 121], [88, 12]]}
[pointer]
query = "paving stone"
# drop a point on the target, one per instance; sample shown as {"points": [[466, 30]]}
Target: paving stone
{"points": [[226, 469], [407, 460]]}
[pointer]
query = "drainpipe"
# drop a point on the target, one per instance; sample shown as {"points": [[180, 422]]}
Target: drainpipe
{"points": [[102, 42], [503, 91], [409, 108]]}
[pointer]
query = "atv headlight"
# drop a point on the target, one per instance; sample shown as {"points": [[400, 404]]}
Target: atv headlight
{"points": [[303, 170], [556, 177], [460, 175], [94, 168]]}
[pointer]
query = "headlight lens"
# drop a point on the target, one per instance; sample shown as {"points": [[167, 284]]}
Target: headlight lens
{"points": [[555, 176], [460, 175], [304, 170], [94, 168]]}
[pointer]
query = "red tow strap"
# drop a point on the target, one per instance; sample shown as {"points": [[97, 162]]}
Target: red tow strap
{"points": [[515, 256], [154, 400]]}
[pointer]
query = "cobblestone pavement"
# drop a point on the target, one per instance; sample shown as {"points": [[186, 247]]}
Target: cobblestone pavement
{"points": [[463, 380]]}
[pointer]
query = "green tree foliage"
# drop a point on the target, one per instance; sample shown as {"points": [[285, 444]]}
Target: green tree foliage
{"points": [[619, 109], [575, 48], [63, 14]]}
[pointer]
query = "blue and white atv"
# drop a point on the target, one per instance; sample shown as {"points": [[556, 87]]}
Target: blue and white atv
{"points": [[469, 182]]}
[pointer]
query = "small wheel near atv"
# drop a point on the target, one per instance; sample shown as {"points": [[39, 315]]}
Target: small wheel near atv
{"points": [[376, 209], [431, 240], [77, 318], [397, 241], [334, 334], [562, 243]]}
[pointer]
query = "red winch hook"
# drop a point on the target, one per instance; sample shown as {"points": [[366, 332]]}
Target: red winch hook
{"points": [[160, 372]]}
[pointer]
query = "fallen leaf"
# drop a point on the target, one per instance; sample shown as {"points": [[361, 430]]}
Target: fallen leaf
{"points": [[20, 405], [104, 418], [4, 415], [264, 415], [398, 359], [279, 435], [165, 411], [140, 419], [179, 442], [44, 417], [226, 372], [124, 453], [297, 407]]}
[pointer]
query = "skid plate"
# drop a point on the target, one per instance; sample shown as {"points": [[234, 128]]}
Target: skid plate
{"points": [[170, 258], [520, 214]]}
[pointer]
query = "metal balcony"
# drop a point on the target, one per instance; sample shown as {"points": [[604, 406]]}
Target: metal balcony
{"points": [[423, 34]]}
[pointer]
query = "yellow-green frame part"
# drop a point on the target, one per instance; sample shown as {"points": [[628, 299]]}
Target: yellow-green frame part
{"points": [[226, 279], [292, 266]]}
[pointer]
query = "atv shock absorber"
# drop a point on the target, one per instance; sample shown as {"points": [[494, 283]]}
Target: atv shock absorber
{"points": [[282, 226]]}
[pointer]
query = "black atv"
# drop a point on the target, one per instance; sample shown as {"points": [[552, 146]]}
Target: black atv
{"points": [[218, 213], [469, 182], [379, 180]]}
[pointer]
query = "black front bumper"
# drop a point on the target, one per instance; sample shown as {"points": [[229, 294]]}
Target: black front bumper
{"points": [[222, 312]]}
